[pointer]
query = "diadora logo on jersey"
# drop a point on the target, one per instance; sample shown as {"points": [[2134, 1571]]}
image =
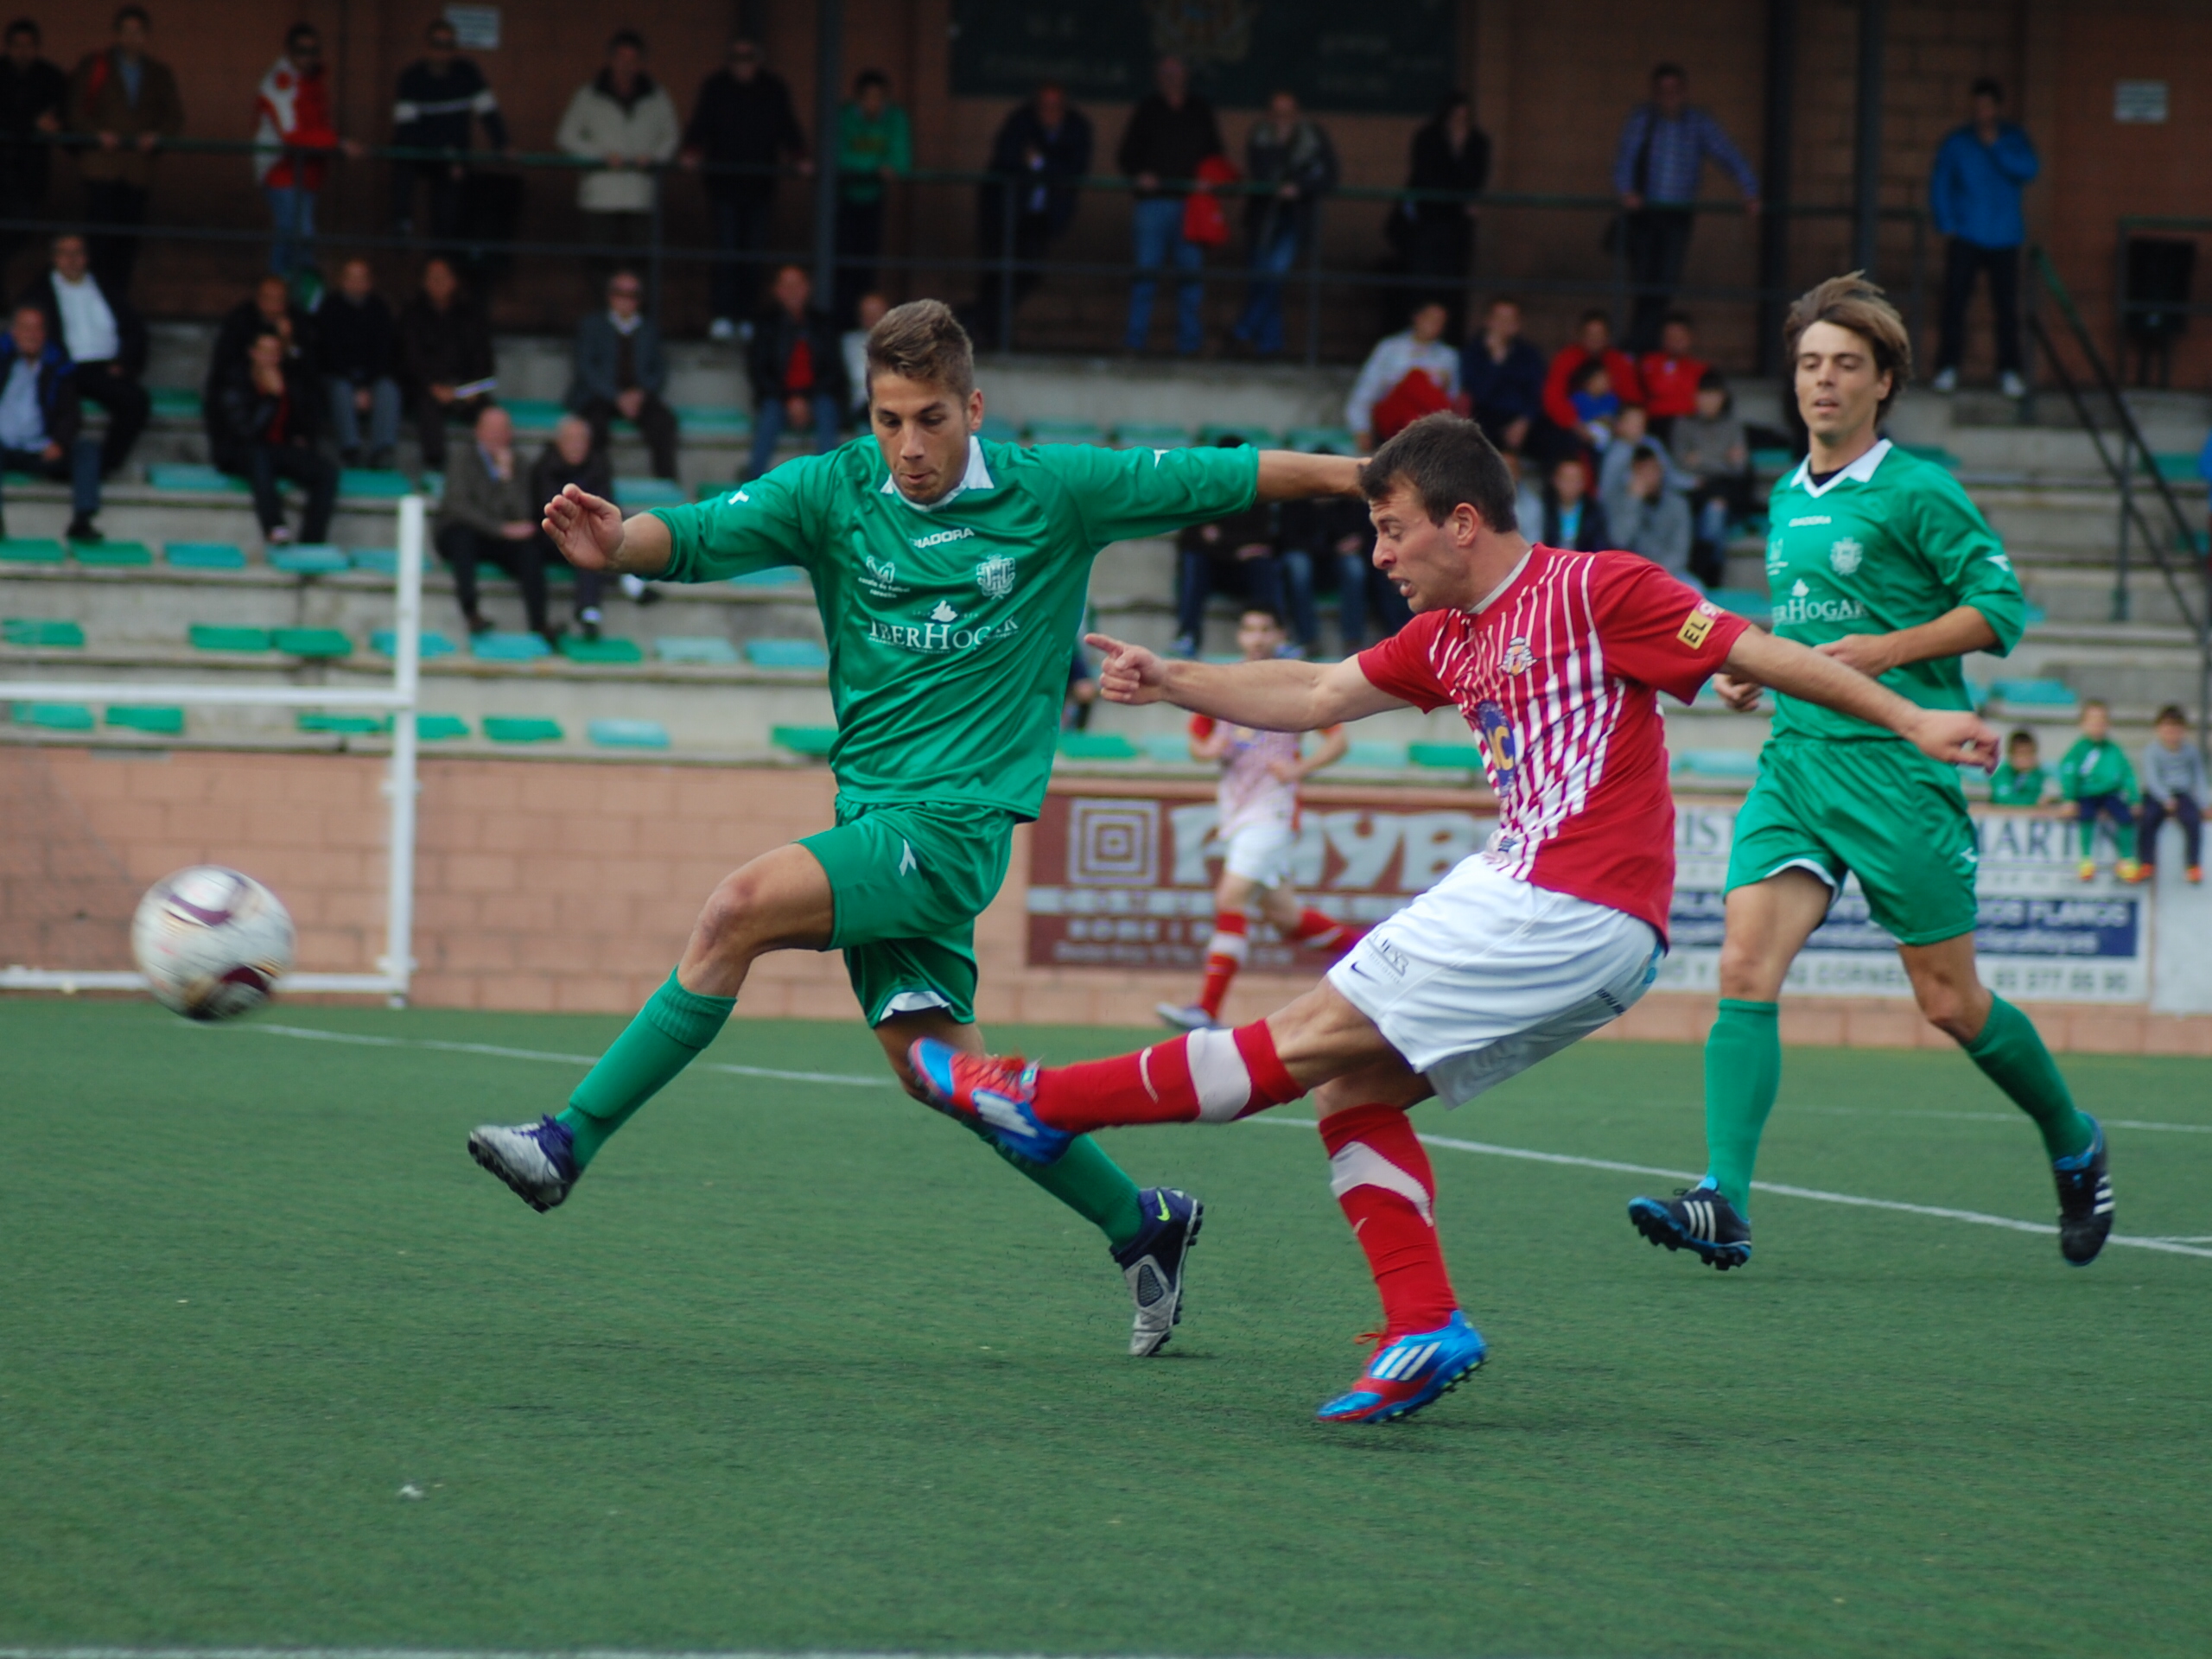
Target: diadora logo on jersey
{"points": [[1518, 658], [1814, 519], [1501, 749], [1697, 626], [943, 537], [995, 576], [1801, 606], [880, 577], [1844, 555]]}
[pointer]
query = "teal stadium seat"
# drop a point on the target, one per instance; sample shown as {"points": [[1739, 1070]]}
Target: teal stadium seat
{"points": [[713, 421], [604, 650], [1735, 764], [428, 643], [813, 742], [536, 415], [1743, 601], [344, 725], [174, 402], [1098, 745], [1380, 756], [1465, 757], [31, 550], [156, 720], [376, 560], [509, 647], [709, 650], [218, 636], [633, 494], [2034, 694], [361, 483], [440, 728], [204, 555], [786, 654], [996, 429], [113, 554], [627, 733], [54, 716], [522, 729], [309, 559], [1166, 748], [311, 642], [42, 633], [193, 477]]}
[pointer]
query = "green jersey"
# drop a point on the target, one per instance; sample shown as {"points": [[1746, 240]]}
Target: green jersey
{"points": [[2094, 766], [951, 627], [1891, 542], [2010, 787]]}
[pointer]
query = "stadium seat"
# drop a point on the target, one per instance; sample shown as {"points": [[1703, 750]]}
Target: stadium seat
{"points": [[311, 642], [362, 725], [1935, 452], [429, 643], [813, 741], [378, 561], [215, 636], [1098, 745], [1743, 601], [1151, 434], [155, 719], [778, 576], [713, 421], [31, 550], [2033, 694], [309, 559], [1169, 749], [536, 415], [1258, 437], [996, 429], [1718, 763], [54, 716], [786, 654], [1066, 432], [522, 729], [433, 486], [44, 634], [360, 483], [605, 650], [440, 728], [705, 649], [174, 402], [1313, 439], [509, 647], [204, 555], [632, 493], [627, 733], [2174, 468], [111, 554], [1772, 460], [1464, 757], [1385, 756], [194, 476]]}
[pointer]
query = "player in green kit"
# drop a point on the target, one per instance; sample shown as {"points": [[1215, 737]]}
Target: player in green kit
{"points": [[1879, 560], [951, 574]]}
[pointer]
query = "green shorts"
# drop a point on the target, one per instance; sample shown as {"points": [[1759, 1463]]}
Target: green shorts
{"points": [[909, 881], [1880, 811]]}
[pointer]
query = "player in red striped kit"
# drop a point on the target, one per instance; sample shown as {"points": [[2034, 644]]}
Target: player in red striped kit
{"points": [[1557, 926], [1258, 829]]}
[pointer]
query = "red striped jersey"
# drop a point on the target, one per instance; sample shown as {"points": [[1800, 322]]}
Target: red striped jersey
{"points": [[1558, 673], [1250, 792]]}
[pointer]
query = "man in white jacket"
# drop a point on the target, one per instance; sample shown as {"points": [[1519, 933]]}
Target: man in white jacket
{"points": [[625, 120], [1419, 350]]}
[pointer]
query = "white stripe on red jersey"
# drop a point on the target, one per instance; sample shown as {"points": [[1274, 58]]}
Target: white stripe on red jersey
{"points": [[1557, 675]]}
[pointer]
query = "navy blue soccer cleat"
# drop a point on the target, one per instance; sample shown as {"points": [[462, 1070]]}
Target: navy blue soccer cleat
{"points": [[1152, 1262], [1697, 1219], [987, 1092], [2084, 1201], [1410, 1373], [537, 1161]]}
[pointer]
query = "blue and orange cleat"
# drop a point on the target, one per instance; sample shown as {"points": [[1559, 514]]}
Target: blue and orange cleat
{"points": [[991, 1093], [1408, 1374]]}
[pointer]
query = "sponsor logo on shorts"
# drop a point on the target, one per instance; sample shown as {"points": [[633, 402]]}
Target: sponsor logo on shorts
{"points": [[995, 576], [1844, 555], [1518, 658], [943, 537], [1501, 748], [1387, 956]]}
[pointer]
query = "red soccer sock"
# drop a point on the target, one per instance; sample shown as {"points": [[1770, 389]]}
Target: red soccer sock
{"points": [[1380, 1174], [1224, 956], [1214, 1075], [1318, 933]]}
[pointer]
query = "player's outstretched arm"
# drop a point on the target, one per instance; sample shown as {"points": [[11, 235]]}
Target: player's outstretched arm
{"points": [[1287, 475], [1279, 696], [592, 534], [1950, 735]]}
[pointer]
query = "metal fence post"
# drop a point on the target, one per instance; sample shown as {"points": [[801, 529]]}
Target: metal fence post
{"points": [[2126, 513], [1313, 283], [1007, 205], [654, 262]]}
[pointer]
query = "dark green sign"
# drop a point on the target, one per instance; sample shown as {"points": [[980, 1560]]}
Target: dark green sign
{"points": [[1391, 57]]}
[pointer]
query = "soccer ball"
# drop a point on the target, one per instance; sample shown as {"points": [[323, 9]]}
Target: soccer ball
{"points": [[212, 942]]}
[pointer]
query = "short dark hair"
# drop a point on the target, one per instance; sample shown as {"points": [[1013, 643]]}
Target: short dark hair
{"points": [[1682, 317], [1595, 314], [622, 37], [1585, 372], [1647, 452], [2171, 714], [1988, 86], [1445, 460], [1496, 300], [1712, 380], [301, 31], [1256, 607], [869, 78], [922, 340], [23, 26], [129, 12], [1670, 72], [2023, 735]]}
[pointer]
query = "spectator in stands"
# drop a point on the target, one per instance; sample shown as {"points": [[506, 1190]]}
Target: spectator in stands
{"points": [[2021, 780], [2094, 774], [1503, 377], [490, 515], [1556, 435], [1663, 148], [1240, 550], [34, 102], [852, 346], [128, 103], [1590, 389], [440, 98], [1572, 518], [1434, 227], [1082, 693], [261, 427], [360, 348], [1670, 376], [1632, 433], [624, 119], [1170, 132], [41, 424], [874, 147], [797, 369], [741, 127], [104, 338], [1407, 375], [2173, 787], [1528, 497], [1043, 148], [573, 458], [1289, 159], [295, 131], [271, 310], [621, 370], [1974, 196], [445, 358], [1646, 517], [1329, 539], [1712, 447]]}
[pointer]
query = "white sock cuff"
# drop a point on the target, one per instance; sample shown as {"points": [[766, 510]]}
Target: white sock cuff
{"points": [[1357, 1164], [1218, 1076], [1232, 945]]}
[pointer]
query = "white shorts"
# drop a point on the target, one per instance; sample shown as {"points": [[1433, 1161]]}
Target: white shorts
{"points": [[1261, 852], [1482, 975]]}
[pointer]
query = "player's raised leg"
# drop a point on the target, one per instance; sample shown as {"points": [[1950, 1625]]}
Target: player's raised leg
{"points": [[781, 900]]}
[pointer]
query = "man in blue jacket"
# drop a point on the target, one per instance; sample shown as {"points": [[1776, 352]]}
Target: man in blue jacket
{"points": [[1974, 196]]}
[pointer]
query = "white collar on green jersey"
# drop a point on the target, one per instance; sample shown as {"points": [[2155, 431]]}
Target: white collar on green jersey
{"points": [[977, 477], [1860, 471]]}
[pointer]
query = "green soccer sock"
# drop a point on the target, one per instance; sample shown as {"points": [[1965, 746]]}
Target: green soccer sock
{"points": [[666, 1036], [1090, 1182], [2011, 1055], [1742, 1071]]}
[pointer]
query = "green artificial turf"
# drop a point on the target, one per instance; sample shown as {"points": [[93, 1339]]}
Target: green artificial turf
{"points": [[803, 1366]]}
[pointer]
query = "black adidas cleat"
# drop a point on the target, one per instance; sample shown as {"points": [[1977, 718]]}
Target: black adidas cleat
{"points": [[2084, 1201], [1696, 1218]]}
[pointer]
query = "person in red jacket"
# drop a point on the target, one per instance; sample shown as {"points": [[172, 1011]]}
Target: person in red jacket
{"points": [[1558, 436], [295, 128], [1670, 375]]}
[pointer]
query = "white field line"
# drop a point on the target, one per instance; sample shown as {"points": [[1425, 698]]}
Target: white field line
{"points": [[439, 1653], [2170, 1246], [496, 1052]]}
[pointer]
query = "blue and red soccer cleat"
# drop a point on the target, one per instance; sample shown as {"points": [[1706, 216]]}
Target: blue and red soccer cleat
{"points": [[987, 1092], [1408, 1374]]}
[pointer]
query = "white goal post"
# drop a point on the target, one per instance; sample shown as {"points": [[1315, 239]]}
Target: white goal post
{"points": [[395, 966]]}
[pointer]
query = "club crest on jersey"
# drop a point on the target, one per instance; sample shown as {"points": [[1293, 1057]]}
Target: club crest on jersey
{"points": [[995, 576], [1844, 555], [1501, 749], [1518, 658]]}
